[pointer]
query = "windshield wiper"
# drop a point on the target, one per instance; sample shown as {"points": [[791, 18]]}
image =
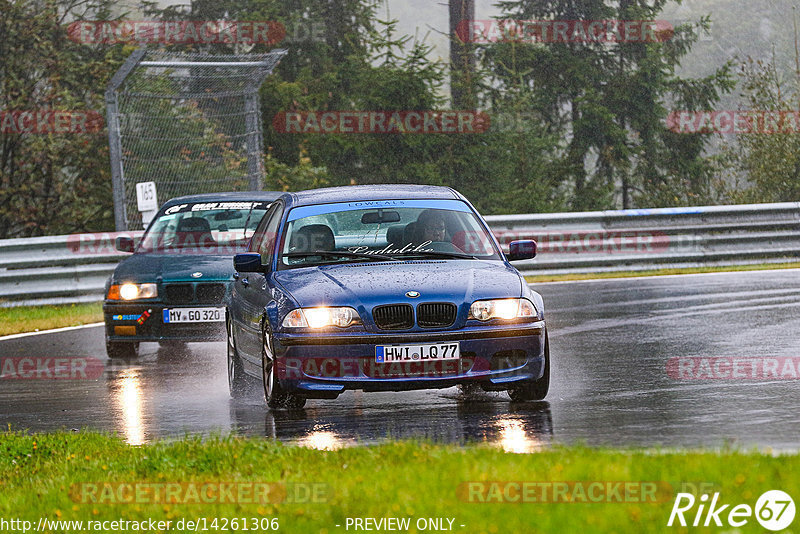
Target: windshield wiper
{"points": [[440, 254], [339, 254]]}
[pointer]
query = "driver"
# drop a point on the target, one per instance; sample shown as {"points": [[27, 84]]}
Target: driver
{"points": [[431, 226]]}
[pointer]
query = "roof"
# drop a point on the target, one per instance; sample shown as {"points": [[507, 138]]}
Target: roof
{"points": [[231, 196], [352, 193]]}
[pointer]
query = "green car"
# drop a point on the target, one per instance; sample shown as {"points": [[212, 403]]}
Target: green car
{"points": [[175, 285]]}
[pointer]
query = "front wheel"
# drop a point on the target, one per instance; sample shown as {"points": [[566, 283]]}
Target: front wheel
{"points": [[275, 395], [533, 390]]}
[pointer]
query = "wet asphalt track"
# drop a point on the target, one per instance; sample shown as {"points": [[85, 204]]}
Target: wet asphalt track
{"points": [[610, 342]]}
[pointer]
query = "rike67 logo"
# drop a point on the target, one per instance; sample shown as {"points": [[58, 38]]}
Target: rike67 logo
{"points": [[774, 510]]}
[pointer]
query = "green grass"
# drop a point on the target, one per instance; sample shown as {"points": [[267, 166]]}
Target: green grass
{"points": [[32, 318], [660, 272], [400, 479]]}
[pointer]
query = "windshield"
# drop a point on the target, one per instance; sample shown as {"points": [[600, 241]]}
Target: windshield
{"points": [[204, 228], [348, 232]]}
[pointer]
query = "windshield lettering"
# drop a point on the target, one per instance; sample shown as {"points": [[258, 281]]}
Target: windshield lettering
{"points": [[408, 248]]}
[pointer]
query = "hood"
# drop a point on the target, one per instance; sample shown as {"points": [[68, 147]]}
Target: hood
{"points": [[171, 267], [372, 284]]}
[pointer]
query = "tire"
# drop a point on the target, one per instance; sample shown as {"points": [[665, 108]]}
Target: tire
{"points": [[274, 394], [122, 350], [534, 390], [240, 385]]}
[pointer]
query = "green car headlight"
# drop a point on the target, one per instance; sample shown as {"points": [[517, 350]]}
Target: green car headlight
{"points": [[129, 291]]}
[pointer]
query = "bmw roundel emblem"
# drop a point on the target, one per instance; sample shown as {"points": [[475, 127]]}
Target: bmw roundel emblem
{"points": [[198, 274], [412, 294]]}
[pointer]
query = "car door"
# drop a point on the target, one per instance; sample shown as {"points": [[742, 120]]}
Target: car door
{"points": [[251, 294]]}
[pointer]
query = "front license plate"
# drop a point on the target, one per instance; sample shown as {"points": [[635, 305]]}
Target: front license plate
{"points": [[194, 315], [411, 353]]}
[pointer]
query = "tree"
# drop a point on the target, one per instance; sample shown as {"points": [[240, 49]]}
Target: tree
{"points": [[46, 178], [607, 101], [363, 65], [764, 164], [462, 58]]}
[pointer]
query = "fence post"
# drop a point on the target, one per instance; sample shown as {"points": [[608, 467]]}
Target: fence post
{"points": [[115, 140], [254, 140]]}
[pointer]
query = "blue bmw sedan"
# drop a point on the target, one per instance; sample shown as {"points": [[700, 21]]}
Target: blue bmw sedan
{"points": [[382, 288], [175, 284]]}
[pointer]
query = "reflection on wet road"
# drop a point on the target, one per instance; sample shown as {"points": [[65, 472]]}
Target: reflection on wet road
{"points": [[610, 341]]}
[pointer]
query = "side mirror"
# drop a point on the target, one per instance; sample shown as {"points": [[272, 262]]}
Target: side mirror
{"points": [[124, 244], [524, 249], [248, 262]]}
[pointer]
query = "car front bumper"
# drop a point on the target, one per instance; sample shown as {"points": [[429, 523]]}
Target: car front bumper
{"points": [[325, 364], [144, 321]]}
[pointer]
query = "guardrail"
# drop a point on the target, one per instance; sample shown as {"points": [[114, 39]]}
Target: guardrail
{"points": [[60, 269], [638, 240], [74, 268]]}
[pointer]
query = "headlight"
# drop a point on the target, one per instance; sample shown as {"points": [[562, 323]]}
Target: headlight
{"points": [[484, 310], [132, 291], [321, 317]]}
